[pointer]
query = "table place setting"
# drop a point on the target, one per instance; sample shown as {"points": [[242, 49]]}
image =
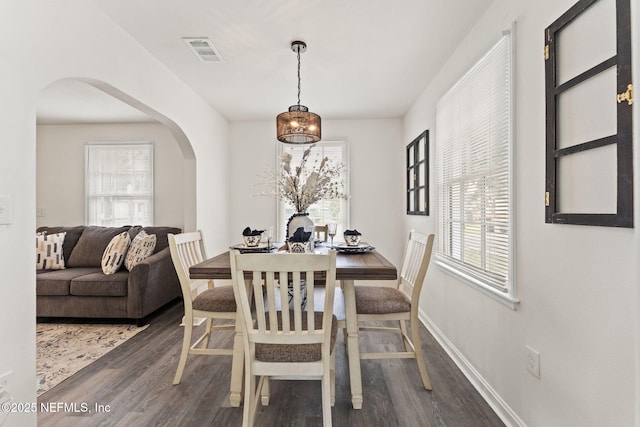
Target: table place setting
{"points": [[301, 241], [253, 241], [352, 243], [353, 249]]}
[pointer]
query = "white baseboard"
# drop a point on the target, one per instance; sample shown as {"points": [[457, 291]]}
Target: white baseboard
{"points": [[506, 414]]}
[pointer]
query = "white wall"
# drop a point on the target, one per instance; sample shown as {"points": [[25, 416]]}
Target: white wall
{"points": [[377, 190], [578, 285], [60, 170], [40, 43]]}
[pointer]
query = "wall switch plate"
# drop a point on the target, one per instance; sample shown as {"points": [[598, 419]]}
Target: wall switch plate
{"points": [[5, 210], [533, 362], [5, 381]]}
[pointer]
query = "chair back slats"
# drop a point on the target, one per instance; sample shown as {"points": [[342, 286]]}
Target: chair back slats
{"points": [[187, 249], [283, 288], [415, 263], [321, 232], [310, 278]]}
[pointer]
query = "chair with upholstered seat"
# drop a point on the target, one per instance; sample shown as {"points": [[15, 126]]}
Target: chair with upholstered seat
{"points": [[399, 303], [201, 300], [294, 343]]}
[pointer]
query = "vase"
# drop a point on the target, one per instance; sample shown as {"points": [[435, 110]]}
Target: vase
{"points": [[300, 247], [298, 220]]}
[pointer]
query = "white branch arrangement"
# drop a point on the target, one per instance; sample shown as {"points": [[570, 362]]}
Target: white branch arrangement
{"points": [[303, 186]]}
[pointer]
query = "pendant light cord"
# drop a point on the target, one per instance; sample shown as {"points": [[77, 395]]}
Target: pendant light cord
{"points": [[298, 76]]}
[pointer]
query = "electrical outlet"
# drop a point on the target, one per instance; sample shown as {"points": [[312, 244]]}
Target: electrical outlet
{"points": [[41, 212], [533, 362]]}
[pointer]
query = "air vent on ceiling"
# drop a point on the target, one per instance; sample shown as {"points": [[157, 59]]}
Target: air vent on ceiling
{"points": [[203, 48]]}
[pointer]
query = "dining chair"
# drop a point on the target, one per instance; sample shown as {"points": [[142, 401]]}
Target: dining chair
{"points": [[201, 300], [294, 343], [399, 303], [321, 230]]}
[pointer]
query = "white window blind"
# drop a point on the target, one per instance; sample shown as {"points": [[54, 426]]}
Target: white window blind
{"points": [[474, 173], [324, 211], [119, 183]]}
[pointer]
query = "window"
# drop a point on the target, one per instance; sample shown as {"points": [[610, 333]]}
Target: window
{"points": [[119, 183], [325, 211], [474, 138]]}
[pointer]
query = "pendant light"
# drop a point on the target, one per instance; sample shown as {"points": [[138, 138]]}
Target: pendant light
{"points": [[298, 125]]}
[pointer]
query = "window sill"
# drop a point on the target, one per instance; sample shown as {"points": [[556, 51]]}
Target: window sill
{"points": [[502, 297]]}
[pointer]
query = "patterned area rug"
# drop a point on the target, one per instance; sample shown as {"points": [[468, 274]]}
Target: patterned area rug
{"points": [[64, 349]]}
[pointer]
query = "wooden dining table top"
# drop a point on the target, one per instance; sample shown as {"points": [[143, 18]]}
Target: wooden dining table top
{"points": [[353, 266]]}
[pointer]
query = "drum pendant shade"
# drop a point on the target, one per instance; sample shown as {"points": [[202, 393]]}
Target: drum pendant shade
{"points": [[298, 125]]}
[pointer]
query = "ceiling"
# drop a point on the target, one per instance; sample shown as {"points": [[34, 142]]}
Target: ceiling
{"points": [[362, 61]]}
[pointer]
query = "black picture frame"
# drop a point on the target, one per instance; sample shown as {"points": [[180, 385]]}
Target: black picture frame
{"points": [[622, 139], [417, 178]]}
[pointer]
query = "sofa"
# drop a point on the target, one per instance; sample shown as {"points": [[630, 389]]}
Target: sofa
{"points": [[79, 287]]}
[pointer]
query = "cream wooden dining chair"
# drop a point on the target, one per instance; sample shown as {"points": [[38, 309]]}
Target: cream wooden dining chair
{"points": [[399, 303], [294, 343], [201, 300], [321, 232]]}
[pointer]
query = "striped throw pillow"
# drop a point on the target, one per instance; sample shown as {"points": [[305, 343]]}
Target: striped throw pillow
{"points": [[113, 256], [142, 246], [49, 251]]}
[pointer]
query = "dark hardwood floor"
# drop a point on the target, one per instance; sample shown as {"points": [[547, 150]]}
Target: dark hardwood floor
{"points": [[132, 386]]}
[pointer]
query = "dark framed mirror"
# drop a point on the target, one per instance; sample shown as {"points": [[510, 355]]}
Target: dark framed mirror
{"points": [[418, 175], [589, 97]]}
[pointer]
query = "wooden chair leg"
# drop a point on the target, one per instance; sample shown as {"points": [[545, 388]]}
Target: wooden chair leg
{"points": [[326, 399], [207, 332], [405, 335], [249, 393], [415, 334], [265, 394], [237, 368], [332, 375], [186, 344]]}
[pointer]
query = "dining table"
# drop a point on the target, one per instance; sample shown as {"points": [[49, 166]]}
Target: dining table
{"points": [[350, 267]]}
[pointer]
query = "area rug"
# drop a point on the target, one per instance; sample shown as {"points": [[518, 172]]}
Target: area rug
{"points": [[64, 349]]}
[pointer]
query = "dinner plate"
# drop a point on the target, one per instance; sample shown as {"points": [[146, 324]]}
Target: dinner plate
{"points": [[262, 247], [353, 249]]}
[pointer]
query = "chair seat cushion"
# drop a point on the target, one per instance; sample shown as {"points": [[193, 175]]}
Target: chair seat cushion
{"points": [[381, 300], [296, 352], [219, 299]]}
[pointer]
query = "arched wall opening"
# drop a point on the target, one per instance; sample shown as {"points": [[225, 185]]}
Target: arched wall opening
{"points": [[60, 190]]}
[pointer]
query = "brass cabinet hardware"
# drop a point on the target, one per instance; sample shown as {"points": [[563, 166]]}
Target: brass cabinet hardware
{"points": [[626, 96]]}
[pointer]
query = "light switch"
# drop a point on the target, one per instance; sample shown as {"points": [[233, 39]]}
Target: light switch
{"points": [[5, 210]]}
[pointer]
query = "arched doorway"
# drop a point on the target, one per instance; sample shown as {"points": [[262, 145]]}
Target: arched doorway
{"points": [[74, 111]]}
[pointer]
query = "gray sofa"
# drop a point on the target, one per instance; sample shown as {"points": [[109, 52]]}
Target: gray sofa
{"points": [[82, 290]]}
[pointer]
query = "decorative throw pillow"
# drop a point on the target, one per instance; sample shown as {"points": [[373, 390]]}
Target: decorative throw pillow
{"points": [[115, 252], [141, 247], [49, 251]]}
